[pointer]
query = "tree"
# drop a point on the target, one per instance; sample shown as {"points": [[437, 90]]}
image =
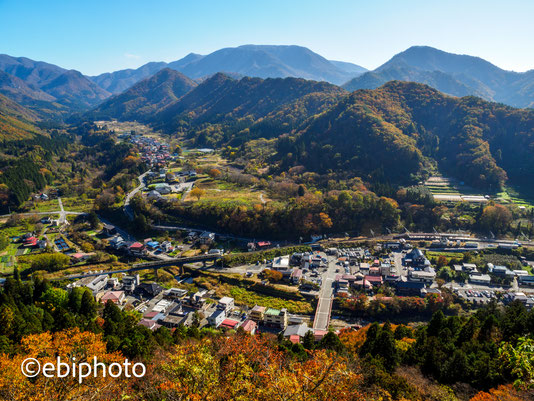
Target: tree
{"points": [[214, 173], [442, 261], [197, 193], [50, 261], [4, 242], [88, 304], [496, 218], [273, 275], [519, 361], [93, 219], [308, 341], [331, 342], [141, 223]]}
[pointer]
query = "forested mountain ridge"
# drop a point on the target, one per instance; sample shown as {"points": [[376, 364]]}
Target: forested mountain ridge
{"points": [[397, 133], [399, 130], [455, 74], [146, 97], [228, 106]]}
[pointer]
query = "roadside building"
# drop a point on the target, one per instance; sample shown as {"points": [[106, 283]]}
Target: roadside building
{"points": [[149, 324], [480, 279], [206, 238], [137, 249], [280, 263], [409, 288], [276, 318], [298, 330], [296, 276], [230, 324], [375, 281], [249, 326], [109, 230], [175, 293], [130, 282]]}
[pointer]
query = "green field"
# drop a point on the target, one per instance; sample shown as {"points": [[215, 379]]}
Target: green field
{"points": [[509, 195], [226, 191]]}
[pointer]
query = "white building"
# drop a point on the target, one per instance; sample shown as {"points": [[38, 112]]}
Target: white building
{"points": [[217, 317], [226, 303]]}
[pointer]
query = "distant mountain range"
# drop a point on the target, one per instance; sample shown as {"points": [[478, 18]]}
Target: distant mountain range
{"points": [[52, 92], [250, 60], [454, 74]]}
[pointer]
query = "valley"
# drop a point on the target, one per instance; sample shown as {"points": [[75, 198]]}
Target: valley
{"points": [[262, 213]]}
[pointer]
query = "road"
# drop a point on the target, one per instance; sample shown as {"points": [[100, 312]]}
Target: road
{"points": [[62, 214], [132, 193], [324, 305], [125, 235]]}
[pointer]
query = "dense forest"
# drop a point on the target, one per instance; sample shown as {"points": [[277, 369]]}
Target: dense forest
{"points": [[399, 131]]}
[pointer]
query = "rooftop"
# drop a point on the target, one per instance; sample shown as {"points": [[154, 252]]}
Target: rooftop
{"points": [[272, 312]]}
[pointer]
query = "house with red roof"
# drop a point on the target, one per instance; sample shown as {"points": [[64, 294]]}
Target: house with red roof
{"points": [[149, 324], [117, 297], [30, 241], [137, 249], [376, 281], [229, 324], [295, 339], [249, 326]]}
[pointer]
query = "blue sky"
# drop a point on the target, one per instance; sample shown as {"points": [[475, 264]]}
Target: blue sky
{"points": [[96, 36]]}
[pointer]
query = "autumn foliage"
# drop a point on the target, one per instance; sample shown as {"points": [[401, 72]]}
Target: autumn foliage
{"points": [[244, 367], [46, 347]]}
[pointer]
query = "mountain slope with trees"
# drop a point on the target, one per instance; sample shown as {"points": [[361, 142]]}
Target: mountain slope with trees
{"points": [[222, 108], [49, 90], [401, 129], [16, 122], [146, 97]]}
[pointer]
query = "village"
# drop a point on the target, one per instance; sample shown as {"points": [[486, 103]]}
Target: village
{"points": [[148, 275]]}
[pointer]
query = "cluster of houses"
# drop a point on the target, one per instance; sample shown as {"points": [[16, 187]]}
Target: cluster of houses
{"points": [[173, 307], [364, 272], [30, 240], [135, 248], [153, 152]]}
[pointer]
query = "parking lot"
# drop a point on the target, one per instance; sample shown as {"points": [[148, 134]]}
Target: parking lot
{"points": [[478, 296]]}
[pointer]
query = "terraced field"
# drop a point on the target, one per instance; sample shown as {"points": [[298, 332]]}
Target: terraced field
{"points": [[448, 190]]}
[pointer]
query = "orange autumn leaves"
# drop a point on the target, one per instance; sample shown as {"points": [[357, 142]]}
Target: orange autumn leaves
{"points": [[46, 347]]}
